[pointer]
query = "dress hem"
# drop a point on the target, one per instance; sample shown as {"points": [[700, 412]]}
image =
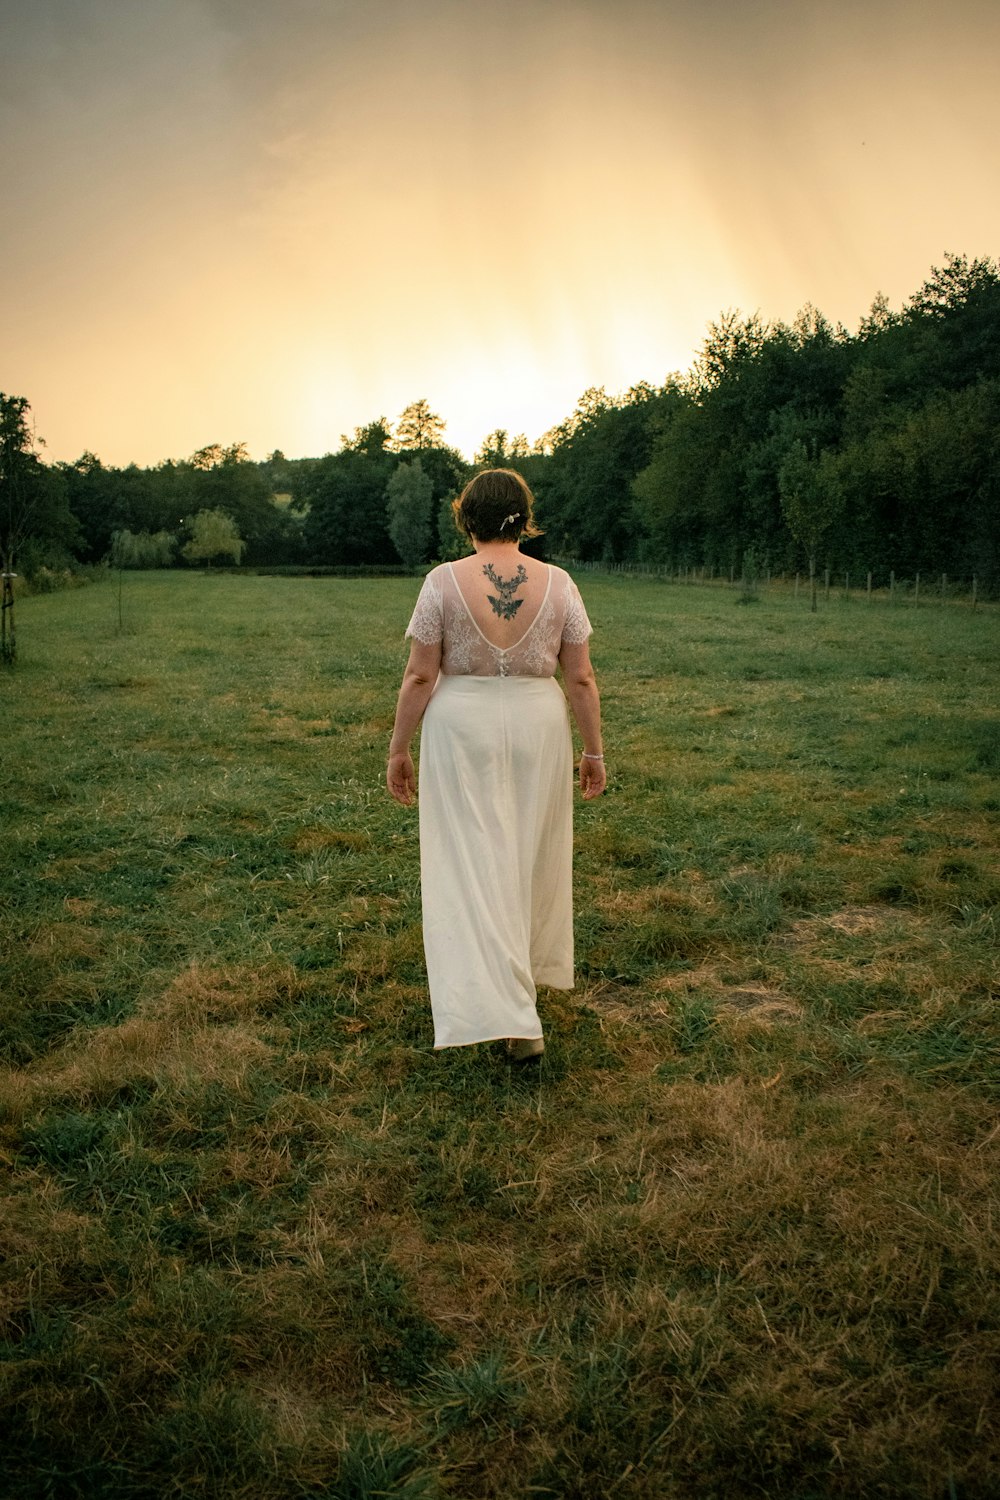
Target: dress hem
{"points": [[482, 1041]]}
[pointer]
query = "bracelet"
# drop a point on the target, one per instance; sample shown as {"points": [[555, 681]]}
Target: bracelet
{"points": [[586, 755]]}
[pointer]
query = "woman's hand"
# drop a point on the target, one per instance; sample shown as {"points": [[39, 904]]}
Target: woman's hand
{"points": [[401, 779], [593, 777]]}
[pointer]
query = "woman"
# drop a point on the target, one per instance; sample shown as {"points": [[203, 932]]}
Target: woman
{"points": [[496, 828]]}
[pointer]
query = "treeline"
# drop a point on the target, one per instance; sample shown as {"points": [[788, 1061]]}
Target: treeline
{"points": [[806, 444], [878, 450]]}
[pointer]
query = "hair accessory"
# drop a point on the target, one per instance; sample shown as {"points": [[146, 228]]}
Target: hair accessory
{"points": [[515, 517]]}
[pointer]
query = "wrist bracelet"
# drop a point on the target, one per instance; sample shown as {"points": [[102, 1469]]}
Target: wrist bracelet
{"points": [[586, 755]]}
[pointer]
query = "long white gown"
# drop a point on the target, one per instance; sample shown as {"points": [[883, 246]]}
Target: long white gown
{"points": [[496, 814]]}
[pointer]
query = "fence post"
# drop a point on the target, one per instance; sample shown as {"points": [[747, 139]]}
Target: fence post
{"points": [[916, 590], [892, 585], [826, 585], [847, 585], [796, 594], [944, 585], [869, 586], [973, 593]]}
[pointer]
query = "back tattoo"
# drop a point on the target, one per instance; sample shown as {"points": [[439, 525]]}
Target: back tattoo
{"points": [[506, 606]]}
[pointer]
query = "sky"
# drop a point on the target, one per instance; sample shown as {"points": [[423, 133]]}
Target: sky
{"points": [[273, 221]]}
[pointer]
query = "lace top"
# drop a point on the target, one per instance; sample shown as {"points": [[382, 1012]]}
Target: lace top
{"points": [[441, 614]]}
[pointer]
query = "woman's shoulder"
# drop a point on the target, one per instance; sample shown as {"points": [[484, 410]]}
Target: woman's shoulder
{"points": [[560, 577]]}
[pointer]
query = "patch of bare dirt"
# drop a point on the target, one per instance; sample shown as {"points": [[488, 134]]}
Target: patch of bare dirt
{"points": [[849, 920], [760, 1001]]}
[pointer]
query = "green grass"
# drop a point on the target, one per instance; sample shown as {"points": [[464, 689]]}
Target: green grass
{"points": [[736, 1236]]}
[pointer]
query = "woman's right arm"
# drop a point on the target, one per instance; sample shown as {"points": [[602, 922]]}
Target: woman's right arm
{"points": [[585, 701], [419, 679]]}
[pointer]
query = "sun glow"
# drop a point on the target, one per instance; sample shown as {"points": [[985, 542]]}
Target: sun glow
{"points": [[275, 233]]}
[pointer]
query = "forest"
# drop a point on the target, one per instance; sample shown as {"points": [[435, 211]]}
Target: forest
{"points": [[803, 445]]}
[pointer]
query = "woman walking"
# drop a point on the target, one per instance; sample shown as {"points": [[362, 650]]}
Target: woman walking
{"points": [[496, 828]]}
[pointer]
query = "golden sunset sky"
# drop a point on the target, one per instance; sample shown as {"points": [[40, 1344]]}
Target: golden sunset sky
{"points": [[245, 220]]}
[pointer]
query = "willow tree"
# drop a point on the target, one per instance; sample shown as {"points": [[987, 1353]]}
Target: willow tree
{"points": [[213, 534]]}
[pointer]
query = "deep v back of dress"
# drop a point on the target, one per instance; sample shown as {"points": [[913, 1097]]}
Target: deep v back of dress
{"points": [[504, 594], [490, 622]]}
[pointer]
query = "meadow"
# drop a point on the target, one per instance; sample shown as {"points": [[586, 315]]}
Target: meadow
{"points": [[735, 1236]]}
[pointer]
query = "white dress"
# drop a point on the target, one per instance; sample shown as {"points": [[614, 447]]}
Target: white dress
{"points": [[496, 814]]}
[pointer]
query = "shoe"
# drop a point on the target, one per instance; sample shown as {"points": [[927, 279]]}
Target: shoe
{"points": [[521, 1048]]}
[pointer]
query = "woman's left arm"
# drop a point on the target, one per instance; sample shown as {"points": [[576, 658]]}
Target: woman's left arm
{"points": [[418, 683]]}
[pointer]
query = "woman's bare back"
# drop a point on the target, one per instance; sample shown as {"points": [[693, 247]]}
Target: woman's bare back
{"points": [[503, 591]]}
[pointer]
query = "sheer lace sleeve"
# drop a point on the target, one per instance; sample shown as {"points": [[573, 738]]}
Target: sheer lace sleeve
{"points": [[576, 627], [427, 621]]}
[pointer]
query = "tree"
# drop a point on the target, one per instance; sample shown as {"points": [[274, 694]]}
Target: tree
{"points": [[811, 498], [585, 498], [952, 287], [343, 498], [371, 439], [418, 428], [878, 318], [499, 450], [143, 549], [213, 534], [408, 499], [16, 504], [214, 456], [451, 543], [731, 343], [225, 479], [33, 510]]}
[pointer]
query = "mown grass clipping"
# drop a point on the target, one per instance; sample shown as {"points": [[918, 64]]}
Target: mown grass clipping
{"points": [[735, 1236]]}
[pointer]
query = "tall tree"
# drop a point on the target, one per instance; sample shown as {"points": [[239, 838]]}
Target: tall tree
{"points": [[586, 502], [419, 427], [408, 499], [499, 450], [343, 497], [811, 498], [34, 513], [371, 439]]}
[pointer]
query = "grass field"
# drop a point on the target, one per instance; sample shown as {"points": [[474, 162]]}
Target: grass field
{"points": [[736, 1236]]}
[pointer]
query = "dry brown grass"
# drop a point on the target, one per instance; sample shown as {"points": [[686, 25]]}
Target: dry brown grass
{"points": [[734, 1238]]}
